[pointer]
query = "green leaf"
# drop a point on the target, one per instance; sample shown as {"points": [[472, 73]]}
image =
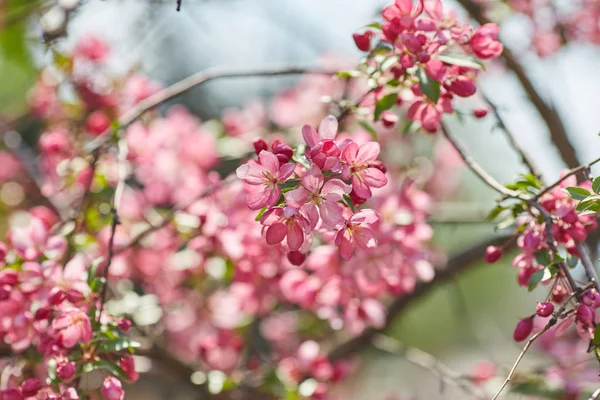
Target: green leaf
{"points": [[535, 279], [107, 366], [260, 214], [588, 203], [543, 257], [393, 83], [495, 212], [368, 128], [119, 344], [577, 193], [596, 184], [348, 74], [375, 25], [96, 284], [349, 202], [506, 222], [406, 126], [93, 270], [385, 103], [429, 87], [461, 59]]}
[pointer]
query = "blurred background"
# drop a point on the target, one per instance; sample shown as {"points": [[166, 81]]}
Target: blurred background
{"points": [[460, 322]]}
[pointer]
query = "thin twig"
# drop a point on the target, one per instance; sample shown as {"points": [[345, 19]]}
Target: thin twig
{"points": [[195, 80], [549, 325], [595, 395], [558, 132], [115, 220], [428, 362], [571, 172], [512, 139], [588, 265]]}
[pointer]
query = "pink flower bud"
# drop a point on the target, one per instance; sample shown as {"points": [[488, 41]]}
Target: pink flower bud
{"points": [[363, 40], [544, 309], [389, 119], [127, 364], [493, 254], [97, 123], [585, 314], [74, 296], [523, 329], [259, 145], [30, 387], [5, 291], [57, 296], [65, 371], [282, 151], [9, 277], [124, 324], [559, 293], [112, 389], [296, 257], [480, 112], [407, 61], [42, 313], [462, 86]]}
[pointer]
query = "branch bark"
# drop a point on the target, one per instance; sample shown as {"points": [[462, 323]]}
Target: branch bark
{"points": [[556, 127]]}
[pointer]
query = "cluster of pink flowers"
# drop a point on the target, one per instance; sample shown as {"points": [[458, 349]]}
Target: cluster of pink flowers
{"points": [[50, 309], [314, 204], [423, 58]]}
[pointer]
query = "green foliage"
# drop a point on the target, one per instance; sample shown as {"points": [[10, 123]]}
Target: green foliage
{"points": [[385, 103], [429, 87], [461, 60]]}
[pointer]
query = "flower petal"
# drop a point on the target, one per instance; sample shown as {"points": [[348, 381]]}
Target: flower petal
{"points": [[296, 198], [251, 172], [335, 189], [274, 194], [295, 236], [331, 214], [285, 171], [349, 153], [256, 197], [374, 177], [269, 161], [365, 238], [328, 127], [361, 189], [366, 216], [313, 179], [276, 233], [311, 137], [367, 152]]}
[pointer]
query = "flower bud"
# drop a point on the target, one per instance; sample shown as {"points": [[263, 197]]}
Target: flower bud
{"points": [[128, 365], [124, 324], [559, 293], [523, 329], [97, 123], [282, 151], [389, 119], [259, 145], [42, 313], [462, 86], [493, 254], [480, 113], [585, 314], [363, 40], [66, 370], [5, 291], [112, 389], [12, 393], [296, 257], [30, 387], [544, 309]]}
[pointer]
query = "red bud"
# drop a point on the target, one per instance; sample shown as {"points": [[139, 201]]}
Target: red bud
{"points": [[523, 329]]}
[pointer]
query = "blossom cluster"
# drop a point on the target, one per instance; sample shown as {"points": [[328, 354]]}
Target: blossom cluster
{"points": [[422, 58]]}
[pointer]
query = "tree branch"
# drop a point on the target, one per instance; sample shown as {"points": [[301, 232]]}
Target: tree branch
{"points": [[558, 132], [571, 172], [195, 80], [455, 265]]}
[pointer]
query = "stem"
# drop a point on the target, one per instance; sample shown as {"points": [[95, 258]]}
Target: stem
{"points": [[512, 140], [588, 265], [558, 132], [192, 81], [571, 172], [550, 324]]}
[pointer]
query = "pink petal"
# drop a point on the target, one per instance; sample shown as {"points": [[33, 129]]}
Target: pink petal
{"points": [[271, 216], [251, 172], [335, 189], [256, 198], [374, 311], [276, 233], [331, 214], [366, 216], [361, 189], [405, 6], [310, 210], [313, 179], [434, 9], [269, 161], [365, 238], [345, 245], [285, 171], [367, 152], [328, 127], [416, 110], [349, 153], [311, 137], [70, 336], [274, 194], [374, 177], [295, 236], [297, 198]]}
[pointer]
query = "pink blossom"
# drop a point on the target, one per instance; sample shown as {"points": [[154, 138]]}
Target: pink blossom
{"points": [[316, 193], [266, 173], [127, 364], [285, 222], [323, 150], [357, 166], [484, 42], [112, 389], [92, 48], [72, 326], [355, 234]]}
